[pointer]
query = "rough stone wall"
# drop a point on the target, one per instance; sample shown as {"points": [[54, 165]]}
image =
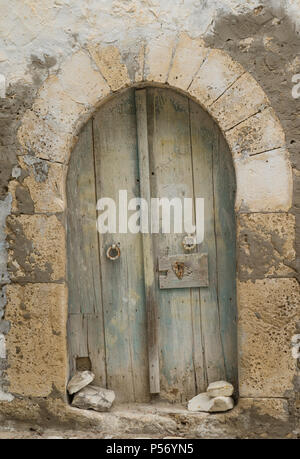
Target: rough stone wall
{"points": [[36, 39]]}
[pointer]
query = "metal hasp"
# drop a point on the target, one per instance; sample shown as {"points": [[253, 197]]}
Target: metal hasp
{"points": [[184, 271]]}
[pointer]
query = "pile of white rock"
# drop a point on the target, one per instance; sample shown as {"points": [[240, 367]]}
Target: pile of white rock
{"points": [[217, 398], [87, 396]]}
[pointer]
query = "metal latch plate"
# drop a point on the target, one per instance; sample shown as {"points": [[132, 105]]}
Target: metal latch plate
{"points": [[183, 271]]}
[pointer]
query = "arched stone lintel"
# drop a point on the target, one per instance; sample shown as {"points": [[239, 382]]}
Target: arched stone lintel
{"points": [[209, 76]]}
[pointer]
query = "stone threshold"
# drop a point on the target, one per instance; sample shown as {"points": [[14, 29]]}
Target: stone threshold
{"points": [[250, 418]]}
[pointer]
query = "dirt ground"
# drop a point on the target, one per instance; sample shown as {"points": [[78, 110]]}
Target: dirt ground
{"points": [[14, 434]]}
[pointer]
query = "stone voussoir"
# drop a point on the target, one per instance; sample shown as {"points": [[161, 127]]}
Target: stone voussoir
{"points": [[190, 53], [214, 77], [53, 103], [158, 56], [109, 61], [43, 139], [261, 132], [264, 182], [81, 81], [243, 99]]}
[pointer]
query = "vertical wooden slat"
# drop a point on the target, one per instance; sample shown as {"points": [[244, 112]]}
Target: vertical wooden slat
{"points": [[125, 320], [77, 335], [149, 279], [96, 347], [198, 351], [85, 304], [171, 177], [224, 192], [204, 135], [198, 342], [83, 263]]}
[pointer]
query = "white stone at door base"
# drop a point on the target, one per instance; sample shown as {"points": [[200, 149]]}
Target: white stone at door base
{"points": [[221, 404], [203, 402], [79, 381], [94, 398], [220, 388]]}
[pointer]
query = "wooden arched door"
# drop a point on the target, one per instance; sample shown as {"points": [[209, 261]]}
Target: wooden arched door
{"points": [[195, 336]]}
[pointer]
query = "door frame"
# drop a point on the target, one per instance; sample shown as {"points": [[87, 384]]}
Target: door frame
{"points": [[238, 105]]}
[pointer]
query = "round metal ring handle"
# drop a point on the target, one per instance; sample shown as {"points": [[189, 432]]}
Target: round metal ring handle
{"points": [[113, 252], [189, 242]]}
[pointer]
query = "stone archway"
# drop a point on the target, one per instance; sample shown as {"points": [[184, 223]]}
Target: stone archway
{"points": [[47, 135]]}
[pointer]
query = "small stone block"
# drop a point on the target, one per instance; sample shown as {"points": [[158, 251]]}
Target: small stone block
{"points": [[220, 388], [94, 398], [80, 380]]}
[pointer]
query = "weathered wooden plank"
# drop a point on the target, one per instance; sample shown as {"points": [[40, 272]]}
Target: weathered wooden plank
{"points": [[83, 254], [149, 279], [183, 271], [123, 284], [224, 192], [96, 347], [204, 138], [77, 337], [82, 239], [171, 176], [198, 347]]}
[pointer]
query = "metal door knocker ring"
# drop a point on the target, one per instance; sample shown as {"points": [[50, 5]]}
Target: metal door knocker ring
{"points": [[113, 252], [189, 242]]}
